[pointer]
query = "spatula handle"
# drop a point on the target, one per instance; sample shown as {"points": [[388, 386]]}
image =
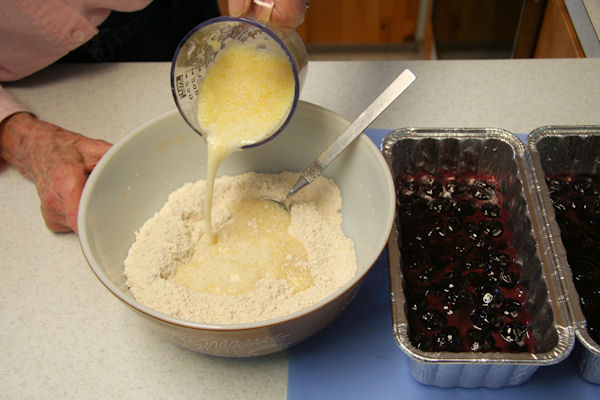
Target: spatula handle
{"points": [[361, 123]]}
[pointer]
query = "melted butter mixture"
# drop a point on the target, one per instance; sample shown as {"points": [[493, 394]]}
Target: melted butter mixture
{"points": [[254, 244], [245, 95]]}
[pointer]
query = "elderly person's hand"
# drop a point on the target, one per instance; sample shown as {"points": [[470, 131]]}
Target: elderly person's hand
{"points": [[57, 160], [286, 14]]}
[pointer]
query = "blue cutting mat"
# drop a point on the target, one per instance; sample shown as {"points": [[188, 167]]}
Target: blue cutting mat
{"points": [[356, 356]]}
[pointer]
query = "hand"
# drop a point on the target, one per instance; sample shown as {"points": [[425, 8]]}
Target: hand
{"points": [[57, 160], [287, 14]]}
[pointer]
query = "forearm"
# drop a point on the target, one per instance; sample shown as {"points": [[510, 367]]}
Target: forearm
{"points": [[16, 135], [9, 106]]}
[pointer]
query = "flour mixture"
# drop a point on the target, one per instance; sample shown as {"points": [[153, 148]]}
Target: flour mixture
{"points": [[257, 269]]}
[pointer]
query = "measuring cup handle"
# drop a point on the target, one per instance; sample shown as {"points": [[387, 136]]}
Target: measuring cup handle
{"points": [[263, 10]]}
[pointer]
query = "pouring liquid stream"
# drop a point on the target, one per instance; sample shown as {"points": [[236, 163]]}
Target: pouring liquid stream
{"points": [[244, 97]]}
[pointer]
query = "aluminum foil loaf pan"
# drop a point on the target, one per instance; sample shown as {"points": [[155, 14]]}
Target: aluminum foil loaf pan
{"points": [[572, 151], [471, 285]]}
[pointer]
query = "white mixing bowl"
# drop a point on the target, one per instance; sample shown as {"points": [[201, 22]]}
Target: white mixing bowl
{"points": [[135, 177]]}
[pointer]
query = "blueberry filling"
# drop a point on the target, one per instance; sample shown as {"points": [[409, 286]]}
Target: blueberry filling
{"points": [[576, 201], [461, 282]]}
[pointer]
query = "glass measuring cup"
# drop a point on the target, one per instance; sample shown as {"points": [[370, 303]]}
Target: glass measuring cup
{"points": [[202, 44]]}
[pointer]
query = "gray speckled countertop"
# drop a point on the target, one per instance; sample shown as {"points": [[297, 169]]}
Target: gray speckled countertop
{"points": [[64, 336]]}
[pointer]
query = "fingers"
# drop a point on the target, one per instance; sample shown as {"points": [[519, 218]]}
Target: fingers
{"points": [[61, 187], [262, 10], [238, 8], [287, 14], [71, 194], [54, 222], [60, 196], [92, 151], [52, 211]]}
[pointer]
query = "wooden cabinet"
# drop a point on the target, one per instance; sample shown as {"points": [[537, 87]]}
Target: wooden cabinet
{"points": [[360, 22], [413, 22], [557, 38], [357, 21]]}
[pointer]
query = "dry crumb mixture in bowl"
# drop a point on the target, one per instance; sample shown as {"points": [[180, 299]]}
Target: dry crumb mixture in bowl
{"points": [[168, 240], [139, 222]]}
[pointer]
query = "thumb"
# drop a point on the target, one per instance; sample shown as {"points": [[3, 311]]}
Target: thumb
{"points": [[92, 151], [237, 8], [71, 190]]}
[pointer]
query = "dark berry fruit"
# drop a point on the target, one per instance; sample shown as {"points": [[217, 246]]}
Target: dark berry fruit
{"points": [[459, 298], [479, 184], [501, 260], [478, 237], [511, 308], [556, 186], [440, 206], [489, 295], [421, 341], [470, 264], [409, 187], [492, 274], [453, 224], [452, 281], [413, 256], [485, 243], [474, 232], [418, 304], [475, 279], [507, 279], [560, 207], [480, 340], [591, 213], [584, 187], [433, 290], [466, 207], [514, 332], [462, 245], [481, 193], [485, 319], [492, 228], [413, 264], [455, 188], [490, 210], [427, 274], [433, 320], [432, 189], [447, 340], [436, 229], [414, 206]]}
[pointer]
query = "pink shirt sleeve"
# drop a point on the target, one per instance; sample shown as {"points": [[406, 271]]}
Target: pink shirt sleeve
{"points": [[8, 104], [36, 33]]}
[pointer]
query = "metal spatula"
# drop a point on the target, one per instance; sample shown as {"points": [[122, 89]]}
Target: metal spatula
{"points": [[386, 98]]}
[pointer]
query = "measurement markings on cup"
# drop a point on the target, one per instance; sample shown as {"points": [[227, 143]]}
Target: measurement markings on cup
{"points": [[180, 86], [186, 85]]}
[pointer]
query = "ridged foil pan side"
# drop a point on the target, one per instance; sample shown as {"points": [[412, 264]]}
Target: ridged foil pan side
{"points": [[567, 149], [502, 154]]}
